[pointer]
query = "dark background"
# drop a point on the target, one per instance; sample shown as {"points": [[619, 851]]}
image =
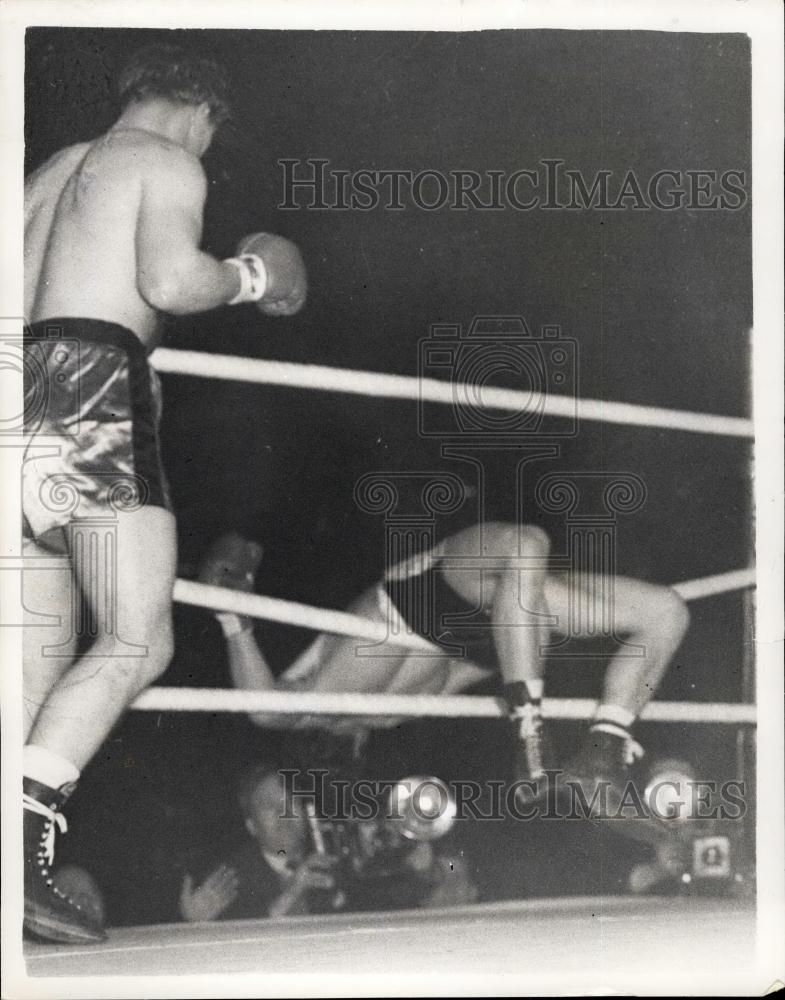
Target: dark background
{"points": [[659, 303]]}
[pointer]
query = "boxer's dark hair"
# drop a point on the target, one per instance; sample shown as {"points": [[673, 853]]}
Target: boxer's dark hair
{"points": [[178, 74]]}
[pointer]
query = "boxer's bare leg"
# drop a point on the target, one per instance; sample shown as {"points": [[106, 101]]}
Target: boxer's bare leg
{"points": [[519, 623], [49, 640], [655, 619], [650, 617], [88, 698], [519, 617]]}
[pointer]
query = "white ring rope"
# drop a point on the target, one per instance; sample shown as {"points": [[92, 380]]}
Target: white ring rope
{"points": [[343, 623], [161, 699], [292, 613], [263, 372], [721, 583], [415, 706]]}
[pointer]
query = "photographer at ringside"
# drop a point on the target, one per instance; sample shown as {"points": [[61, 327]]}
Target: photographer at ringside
{"points": [[285, 868]]}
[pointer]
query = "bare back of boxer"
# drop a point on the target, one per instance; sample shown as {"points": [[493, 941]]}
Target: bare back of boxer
{"points": [[96, 219]]}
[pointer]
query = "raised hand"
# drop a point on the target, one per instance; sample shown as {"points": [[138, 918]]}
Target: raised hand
{"points": [[207, 902]]}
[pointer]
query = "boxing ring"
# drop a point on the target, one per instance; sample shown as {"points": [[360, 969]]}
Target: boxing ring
{"points": [[607, 937], [225, 367], [530, 941]]}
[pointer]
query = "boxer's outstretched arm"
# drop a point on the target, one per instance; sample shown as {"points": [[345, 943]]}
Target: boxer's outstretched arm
{"points": [[172, 274]]}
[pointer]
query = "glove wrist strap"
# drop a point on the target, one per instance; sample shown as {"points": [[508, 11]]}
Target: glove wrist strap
{"points": [[253, 278]]}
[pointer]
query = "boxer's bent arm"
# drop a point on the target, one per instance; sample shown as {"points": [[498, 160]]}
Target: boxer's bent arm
{"points": [[250, 671], [173, 275]]}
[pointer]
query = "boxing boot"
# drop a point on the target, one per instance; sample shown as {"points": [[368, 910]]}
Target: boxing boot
{"points": [[532, 756], [49, 913]]}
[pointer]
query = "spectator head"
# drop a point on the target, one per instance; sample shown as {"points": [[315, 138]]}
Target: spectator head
{"points": [[275, 820]]}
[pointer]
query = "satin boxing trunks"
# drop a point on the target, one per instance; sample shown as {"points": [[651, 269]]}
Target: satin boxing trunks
{"points": [[92, 411]]}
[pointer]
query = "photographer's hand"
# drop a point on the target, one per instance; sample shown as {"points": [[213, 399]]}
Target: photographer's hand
{"points": [[313, 873], [214, 895]]}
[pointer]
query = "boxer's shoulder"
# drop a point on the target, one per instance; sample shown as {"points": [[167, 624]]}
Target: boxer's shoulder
{"points": [[166, 164], [58, 160], [52, 171], [128, 155], [161, 153]]}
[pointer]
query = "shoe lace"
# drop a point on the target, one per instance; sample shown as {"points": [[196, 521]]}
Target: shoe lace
{"points": [[54, 819]]}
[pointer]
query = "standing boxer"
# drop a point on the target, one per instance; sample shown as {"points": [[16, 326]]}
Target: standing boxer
{"points": [[112, 235]]}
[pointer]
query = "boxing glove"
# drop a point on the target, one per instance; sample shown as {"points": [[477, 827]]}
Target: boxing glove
{"points": [[272, 274]]}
